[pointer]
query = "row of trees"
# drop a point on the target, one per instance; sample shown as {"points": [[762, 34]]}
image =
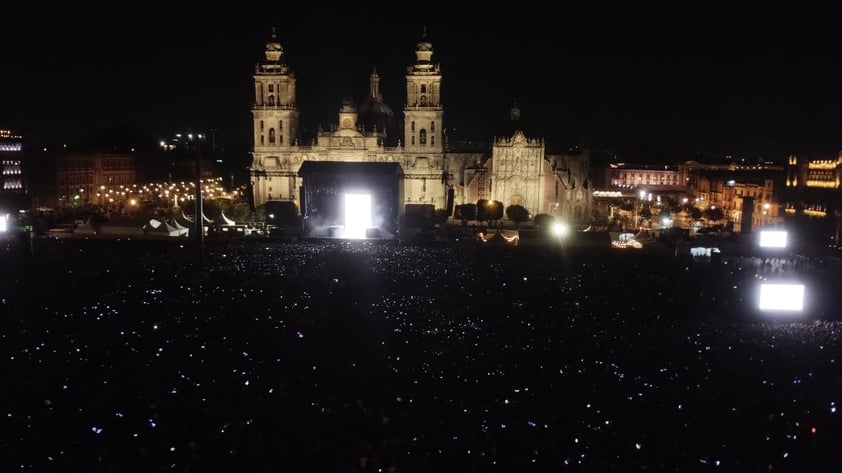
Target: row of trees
{"points": [[490, 210], [483, 210], [714, 214]]}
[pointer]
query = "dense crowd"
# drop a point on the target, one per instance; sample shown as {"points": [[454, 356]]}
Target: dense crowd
{"points": [[380, 356]]}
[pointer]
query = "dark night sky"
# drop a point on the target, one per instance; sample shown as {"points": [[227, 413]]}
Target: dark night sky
{"points": [[748, 82]]}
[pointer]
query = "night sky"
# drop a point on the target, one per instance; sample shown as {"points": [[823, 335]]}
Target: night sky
{"points": [[745, 82]]}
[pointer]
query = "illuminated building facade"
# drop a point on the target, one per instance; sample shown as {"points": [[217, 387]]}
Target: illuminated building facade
{"points": [[11, 163], [814, 195], [87, 178], [651, 177], [14, 191], [759, 195], [516, 170]]}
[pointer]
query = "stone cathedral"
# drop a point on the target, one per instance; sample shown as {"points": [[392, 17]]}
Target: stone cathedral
{"points": [[412, 151]]}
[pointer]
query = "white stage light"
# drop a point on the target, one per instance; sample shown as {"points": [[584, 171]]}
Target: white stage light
{"points": [[781, 297], [357, 215], [4, 223], [560, 229], [773, 238]]}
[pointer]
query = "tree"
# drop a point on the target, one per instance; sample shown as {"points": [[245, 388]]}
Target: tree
{"points": [[694, 212], [517, 214], [238, 212], [466, 212], [496, 210], [260, 213], [483, 210], [714, 213], [543, 221], [211, 208], [673, 205]]}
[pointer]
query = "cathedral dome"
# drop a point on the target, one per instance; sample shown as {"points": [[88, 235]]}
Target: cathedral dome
{"points": [[423, 54], [274, 50], [424, 44], [374, 113]]}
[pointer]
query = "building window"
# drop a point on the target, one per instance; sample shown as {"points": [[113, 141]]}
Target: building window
{"points": [[432, 140], [280, 139], [271, 136], [422, 138], [423, 88], [432, 127], [412, 126], [271, 100], [413, 140], [423, 100], [262, 140], [281, 125], [261, 125], [271, 87]]}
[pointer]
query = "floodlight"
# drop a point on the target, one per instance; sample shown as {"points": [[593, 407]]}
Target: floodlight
{"points": [[560, 229]]}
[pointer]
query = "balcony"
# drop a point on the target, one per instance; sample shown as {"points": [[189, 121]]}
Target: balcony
{"points": [[273, 107]]}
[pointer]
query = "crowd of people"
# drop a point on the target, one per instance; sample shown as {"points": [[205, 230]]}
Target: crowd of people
{"points": [[381, 356]]}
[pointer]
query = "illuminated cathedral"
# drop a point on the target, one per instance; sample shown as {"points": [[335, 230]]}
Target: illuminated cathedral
{"points": [[357, 155]]}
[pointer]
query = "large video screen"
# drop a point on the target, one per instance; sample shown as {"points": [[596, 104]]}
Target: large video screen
{"points": [[781, 297], [773, 239]]}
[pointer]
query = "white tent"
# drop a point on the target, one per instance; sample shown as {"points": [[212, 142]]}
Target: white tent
{"points": [[160, 228], [85, 228], [183, 231], [183, 221], [227, 220], [190, 219]]}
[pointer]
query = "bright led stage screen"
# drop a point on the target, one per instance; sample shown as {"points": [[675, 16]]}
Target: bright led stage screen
{"points": [[357, 215], [773, 239], [781, 297]]}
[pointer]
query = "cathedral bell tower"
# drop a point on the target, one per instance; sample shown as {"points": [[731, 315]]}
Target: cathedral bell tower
{"points": [[274, 111], [275, 127], [423, 131]]}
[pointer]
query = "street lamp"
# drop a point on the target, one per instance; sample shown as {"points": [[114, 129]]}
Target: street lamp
{"points": [[642, 195]]}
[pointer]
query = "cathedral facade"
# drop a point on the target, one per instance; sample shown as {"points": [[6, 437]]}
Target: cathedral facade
{"points": [[515, 171]]}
